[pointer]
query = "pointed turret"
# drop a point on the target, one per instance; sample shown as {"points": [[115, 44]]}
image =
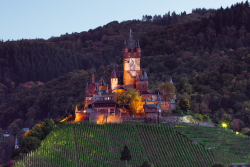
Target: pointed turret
{"points": [[137, 77], [102, 83], [113, 74], [87, 85], [159, 97], [170, 80], [125, 44], [113, 78], [76, 109], [145, 75], [16, 143], [146, 102], [131, 42]]}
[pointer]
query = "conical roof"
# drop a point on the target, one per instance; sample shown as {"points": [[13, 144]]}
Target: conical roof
{"points": [[145, 75], [131, 41], [113, 74], [171, 81], [158, 97]]}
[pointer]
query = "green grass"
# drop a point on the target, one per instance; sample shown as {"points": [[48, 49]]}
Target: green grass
{"points": [[231, 147], [101, 145]]}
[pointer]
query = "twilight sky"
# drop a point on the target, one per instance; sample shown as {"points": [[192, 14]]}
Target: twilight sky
{"points": [[31, 19]]}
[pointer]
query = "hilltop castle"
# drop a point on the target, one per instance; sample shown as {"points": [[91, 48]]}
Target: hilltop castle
{"points": [[99, 96]]}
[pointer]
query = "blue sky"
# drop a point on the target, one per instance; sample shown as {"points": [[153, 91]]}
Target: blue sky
{"points": [[31, 19]]}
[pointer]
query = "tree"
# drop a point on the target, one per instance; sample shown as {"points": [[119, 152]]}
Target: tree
{"points": [[206, 118], [218, 164], [168, 90], [181, 83], [125, 154], [121, 98], [248, 134], [145, 164], [14, 129], [236, 125], [29, 143], [226, 119], [245, 130], [134, 101], [184, 104]]}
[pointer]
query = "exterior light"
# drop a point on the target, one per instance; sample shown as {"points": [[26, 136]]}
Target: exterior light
{"points": [[224, 125], [237, 133], [84, 111]]}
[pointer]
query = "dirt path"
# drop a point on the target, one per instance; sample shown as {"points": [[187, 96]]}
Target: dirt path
{"points": [[77, 161]]}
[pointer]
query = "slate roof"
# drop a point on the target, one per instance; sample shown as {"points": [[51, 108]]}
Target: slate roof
{"points": [[104, 101], [151, 106], [113, 74], [91, 89]]}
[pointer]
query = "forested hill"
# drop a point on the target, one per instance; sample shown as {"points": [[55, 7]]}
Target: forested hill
{"points": [[209, 61], [42, 60]]}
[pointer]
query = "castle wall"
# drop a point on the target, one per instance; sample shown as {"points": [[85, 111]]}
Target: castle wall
{"points": [[128, 80], [142, 86], [100, 118], [165, 105]]}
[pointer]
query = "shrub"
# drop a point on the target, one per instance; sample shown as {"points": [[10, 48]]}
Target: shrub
{"points": [[218, 164], [178, 112]]}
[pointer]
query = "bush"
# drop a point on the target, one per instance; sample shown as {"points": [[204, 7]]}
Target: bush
{"points": [[245, 130], [218, 164], [206, 118], [29, 143], [192, 121], [177, 112]]}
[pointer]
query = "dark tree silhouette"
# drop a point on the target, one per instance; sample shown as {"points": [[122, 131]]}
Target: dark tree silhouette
{"points": [[145, 164], [125, 154]]}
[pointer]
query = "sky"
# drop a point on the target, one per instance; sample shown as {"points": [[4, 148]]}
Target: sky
{"points": [[30, 19]]}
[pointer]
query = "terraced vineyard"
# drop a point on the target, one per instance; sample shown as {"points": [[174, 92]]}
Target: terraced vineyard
{"points": [[101, 145], [231, 147]]}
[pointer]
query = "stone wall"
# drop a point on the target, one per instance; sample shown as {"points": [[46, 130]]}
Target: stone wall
{"points": [[104, 118]]}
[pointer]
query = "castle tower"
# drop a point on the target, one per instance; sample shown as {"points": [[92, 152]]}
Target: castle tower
{"points": [[131, 62], [142, 82], [102, 84], [113, 79]]}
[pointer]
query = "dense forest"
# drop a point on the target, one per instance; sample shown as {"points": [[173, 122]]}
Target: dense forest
{"points": [[206, 52]]}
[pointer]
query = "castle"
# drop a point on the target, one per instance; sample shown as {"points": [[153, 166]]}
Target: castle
{"points": [[99, 96]]}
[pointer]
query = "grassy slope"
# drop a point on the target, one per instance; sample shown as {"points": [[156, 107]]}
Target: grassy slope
{"points": [[237, 147], [101, 145]]}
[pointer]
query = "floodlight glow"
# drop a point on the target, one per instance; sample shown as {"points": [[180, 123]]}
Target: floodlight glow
{"points": [[237, 133], [224, 125]]}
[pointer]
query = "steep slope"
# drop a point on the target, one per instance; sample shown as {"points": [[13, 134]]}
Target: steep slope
{"points": [[101, 145], [52, 99]]}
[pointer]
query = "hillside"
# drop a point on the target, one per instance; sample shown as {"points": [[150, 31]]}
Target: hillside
{"points": [[209, 61], [43, 60], [49, 100], [101, 145]]}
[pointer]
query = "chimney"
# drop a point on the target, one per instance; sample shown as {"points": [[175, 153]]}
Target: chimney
{"points": [[93, 78]]}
